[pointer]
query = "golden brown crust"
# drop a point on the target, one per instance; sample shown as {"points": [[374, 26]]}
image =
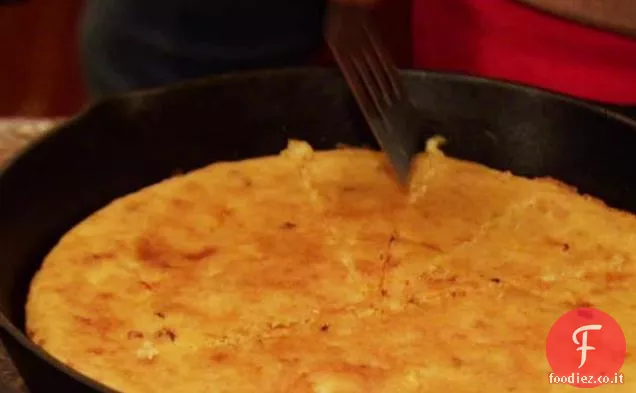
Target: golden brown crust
{"points": [[315, 272]]}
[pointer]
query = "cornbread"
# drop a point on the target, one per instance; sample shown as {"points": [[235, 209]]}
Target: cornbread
{"points": [[315, 272]]}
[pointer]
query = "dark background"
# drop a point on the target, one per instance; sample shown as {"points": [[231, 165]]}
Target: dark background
{"points": [[39, 68], [39, 73]]}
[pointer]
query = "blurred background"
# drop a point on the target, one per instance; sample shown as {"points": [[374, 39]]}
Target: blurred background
{"points": [[40, 74], [39, 68]]}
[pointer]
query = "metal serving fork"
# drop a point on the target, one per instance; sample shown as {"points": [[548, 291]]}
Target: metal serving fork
{"points": [[374, 81]]}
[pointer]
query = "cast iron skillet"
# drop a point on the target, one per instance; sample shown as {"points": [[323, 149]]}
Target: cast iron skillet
{"points": [[128, 142]]}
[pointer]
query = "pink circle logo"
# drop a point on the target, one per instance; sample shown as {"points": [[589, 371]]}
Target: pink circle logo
{"points": [[586, 348]]}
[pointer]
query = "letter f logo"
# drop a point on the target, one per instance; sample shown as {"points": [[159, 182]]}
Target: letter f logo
{"points": [[583, 344]]}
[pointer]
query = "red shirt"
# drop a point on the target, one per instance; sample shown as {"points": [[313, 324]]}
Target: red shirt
{"points": [[505, 40]]}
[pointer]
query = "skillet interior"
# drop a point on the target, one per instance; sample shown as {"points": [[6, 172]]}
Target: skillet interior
{"points": [[128, 142]]}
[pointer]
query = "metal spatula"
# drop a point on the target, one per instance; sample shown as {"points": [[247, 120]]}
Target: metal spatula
{"points": [[374, 81]]}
